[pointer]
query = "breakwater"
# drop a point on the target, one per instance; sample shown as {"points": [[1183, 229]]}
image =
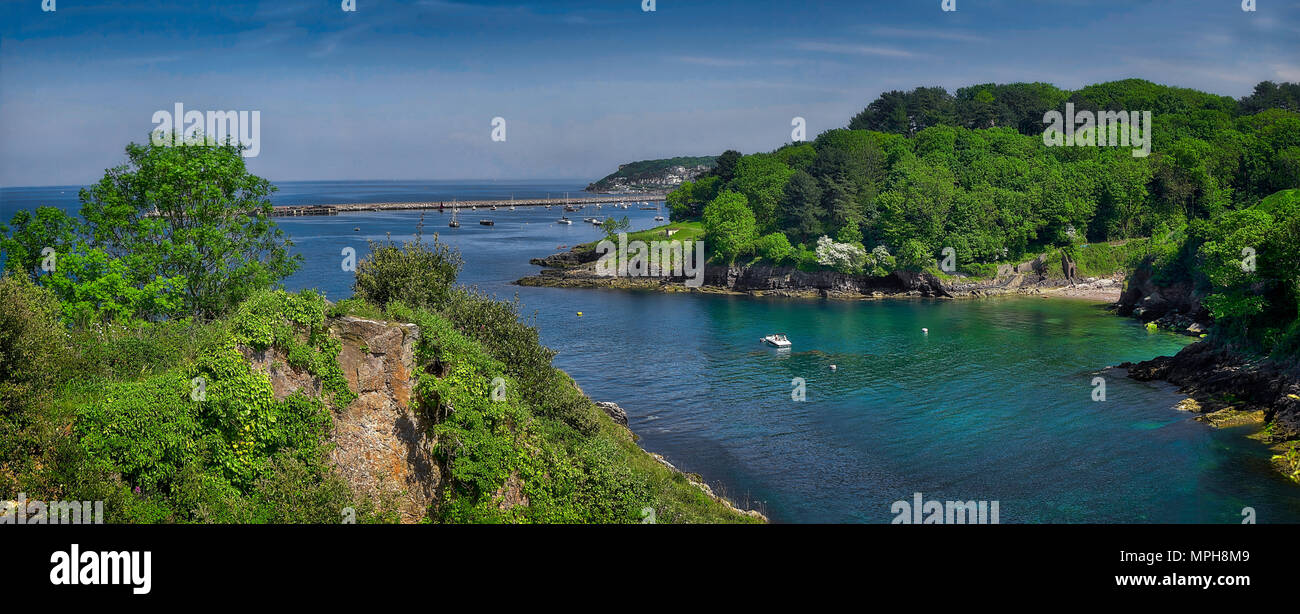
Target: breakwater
{"points": [[335, 209]]}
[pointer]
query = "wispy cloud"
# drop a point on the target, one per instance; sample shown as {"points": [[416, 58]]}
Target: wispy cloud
{"points": [[929, 34], [712, 61], [852, 49]]}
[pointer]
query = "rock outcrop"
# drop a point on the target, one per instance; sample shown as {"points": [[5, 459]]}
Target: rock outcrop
{"points": [[575, 269], [380, 447], [1218, 379], [1176, 306], [616, 413]]}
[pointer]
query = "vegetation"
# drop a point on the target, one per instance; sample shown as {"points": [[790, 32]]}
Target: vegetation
{"points": [[919, 171], [177, 231], [1245, 264], [135, 388]]}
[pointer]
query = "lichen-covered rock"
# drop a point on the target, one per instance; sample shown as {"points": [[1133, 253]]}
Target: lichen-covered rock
{"points": [[381, 446]]}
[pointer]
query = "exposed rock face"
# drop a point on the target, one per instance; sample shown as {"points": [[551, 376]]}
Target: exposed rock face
{"points": [[779, 279], [1176, 305], [571, 258], [285, 380], [618, 414], [576, 269], [381, 446], [1218, 378]]}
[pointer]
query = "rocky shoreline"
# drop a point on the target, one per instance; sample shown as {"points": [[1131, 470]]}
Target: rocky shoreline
{"points": [[1228, 388], [576, 269]]}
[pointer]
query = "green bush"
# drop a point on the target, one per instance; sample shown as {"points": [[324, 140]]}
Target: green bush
{"points": [[774, 248], [416, 273]]}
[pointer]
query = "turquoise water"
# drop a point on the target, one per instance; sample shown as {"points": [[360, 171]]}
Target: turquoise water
{"points": [[995, 403]]}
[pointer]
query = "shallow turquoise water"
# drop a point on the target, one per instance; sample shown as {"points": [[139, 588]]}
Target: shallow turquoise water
{"points": [[995, 403]]}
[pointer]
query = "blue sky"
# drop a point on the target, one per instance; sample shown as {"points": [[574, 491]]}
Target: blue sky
{"points": [[407, 90]]}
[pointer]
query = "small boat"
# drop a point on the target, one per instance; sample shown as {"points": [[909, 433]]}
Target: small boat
{"points": [[357, 229], [487, 222], [659, 218], [494, 207], [564, 220], [454, 223], [598, 222], [776, 340]]}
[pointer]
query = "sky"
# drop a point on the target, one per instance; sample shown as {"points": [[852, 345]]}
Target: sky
{"points": [[409, 89]]}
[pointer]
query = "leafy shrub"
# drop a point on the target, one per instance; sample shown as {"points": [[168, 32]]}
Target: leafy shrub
{"points": [[774, 248], [32, 342], [416, 273]]}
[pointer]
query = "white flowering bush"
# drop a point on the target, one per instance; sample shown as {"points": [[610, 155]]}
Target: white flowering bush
{"points": [[843, 257], [879, 263]]}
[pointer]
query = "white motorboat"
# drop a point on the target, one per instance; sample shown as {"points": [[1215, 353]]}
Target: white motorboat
{"points": [[777, 340], [564, 220]]}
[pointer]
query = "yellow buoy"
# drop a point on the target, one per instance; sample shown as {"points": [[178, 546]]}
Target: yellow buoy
{"points": [[579, 314]]}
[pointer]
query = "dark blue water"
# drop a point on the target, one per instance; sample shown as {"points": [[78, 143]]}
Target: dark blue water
{"points": [[995, 403]]}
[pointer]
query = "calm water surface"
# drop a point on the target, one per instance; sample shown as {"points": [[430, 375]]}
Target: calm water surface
{"points": [[993, 404]]}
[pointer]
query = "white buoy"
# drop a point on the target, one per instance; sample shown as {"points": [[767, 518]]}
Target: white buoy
{"points": [[833, 367], [925, 330]]}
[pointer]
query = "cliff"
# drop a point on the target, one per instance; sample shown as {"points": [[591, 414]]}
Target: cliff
{"points": [[384, 444]]}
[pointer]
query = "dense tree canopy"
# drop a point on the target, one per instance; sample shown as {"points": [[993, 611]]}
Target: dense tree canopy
{"points": [[919, 171], [971, 171]]}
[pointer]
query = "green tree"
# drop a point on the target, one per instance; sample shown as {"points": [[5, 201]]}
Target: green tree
{"points": [[193, 212], [762, 178], [729, 226], [28, 235], [774, 248], [613, 226], [801, 208], [416, 273]]}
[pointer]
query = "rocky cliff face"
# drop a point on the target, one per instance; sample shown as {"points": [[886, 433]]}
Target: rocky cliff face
{"points": [[575, 269], [1176, 306], [381, 447]]}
